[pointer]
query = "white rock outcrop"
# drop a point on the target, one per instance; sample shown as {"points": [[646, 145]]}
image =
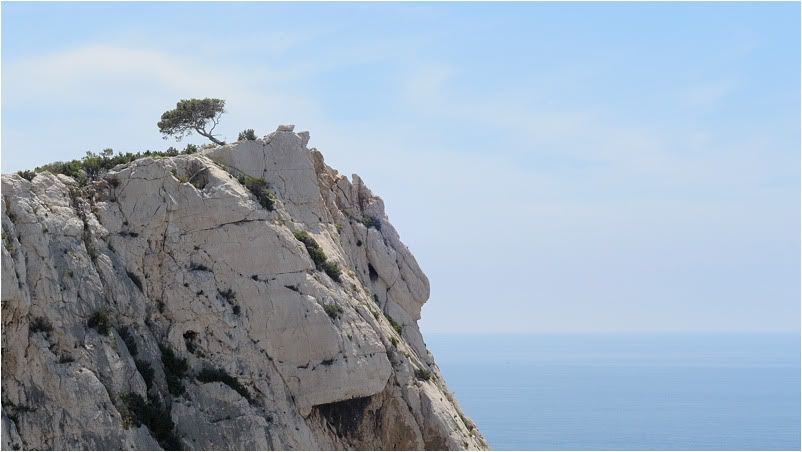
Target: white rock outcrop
{"points": [[163, 306]]}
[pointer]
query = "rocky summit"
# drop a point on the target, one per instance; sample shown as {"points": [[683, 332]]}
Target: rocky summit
{"points": [[246, 296]]}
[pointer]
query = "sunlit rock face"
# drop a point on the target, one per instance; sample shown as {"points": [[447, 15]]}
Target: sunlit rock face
{"points": [[165, 305]]}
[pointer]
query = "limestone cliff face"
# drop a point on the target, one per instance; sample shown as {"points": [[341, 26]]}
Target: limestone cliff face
{"points": [[164, 306]]}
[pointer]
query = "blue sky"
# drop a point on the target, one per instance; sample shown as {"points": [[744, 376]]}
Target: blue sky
{"points": [[553, 167]]}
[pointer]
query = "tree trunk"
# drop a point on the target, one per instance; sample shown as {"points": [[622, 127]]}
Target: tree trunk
{"points": [[212, 138]]}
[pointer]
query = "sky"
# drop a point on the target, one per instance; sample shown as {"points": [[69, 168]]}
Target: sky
{"points": [[554, 167]]}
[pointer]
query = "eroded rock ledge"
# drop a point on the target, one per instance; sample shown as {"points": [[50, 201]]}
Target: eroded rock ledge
{"points": [[165, 306]]}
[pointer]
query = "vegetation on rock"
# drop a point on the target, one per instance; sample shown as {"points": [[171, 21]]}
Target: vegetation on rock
{"points": [[396, 326], [423, 374], [318, 255], [192, 115], [92, 165], [334, 311], [27, 174], [175, 369], [100, 322], [372, 222], [333, 270], [246, 135], [209, 374], [260, 189]]}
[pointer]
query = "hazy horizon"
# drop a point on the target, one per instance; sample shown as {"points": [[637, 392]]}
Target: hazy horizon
{"points": [[554, 167], [610, 392]]}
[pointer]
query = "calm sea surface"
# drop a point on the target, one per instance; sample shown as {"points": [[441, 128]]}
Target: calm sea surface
{"points": [[627, 391]]}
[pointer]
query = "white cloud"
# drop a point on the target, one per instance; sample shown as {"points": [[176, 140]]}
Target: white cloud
{"points": [[60, 73]]}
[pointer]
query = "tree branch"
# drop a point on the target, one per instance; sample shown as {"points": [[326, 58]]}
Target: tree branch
{"points": [[215, 120]]}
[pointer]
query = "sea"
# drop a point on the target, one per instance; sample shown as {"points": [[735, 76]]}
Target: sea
{"points": [[627, 391]]}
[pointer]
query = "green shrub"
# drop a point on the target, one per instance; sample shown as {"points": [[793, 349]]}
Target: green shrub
{"points": [[372, 222], [423, 374], [312, 247], [318, 255], [252, 183], [71, 169], [394, 324], [334, 311], [209, 374], [394, 341], [92, 165], [100, 322], [304, 237], [246, 135], [175, 369], [267, 199], [333, 270], [27, 174], [259, 188]]}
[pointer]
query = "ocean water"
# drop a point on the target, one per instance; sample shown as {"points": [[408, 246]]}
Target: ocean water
{"points": [[627, 391]]}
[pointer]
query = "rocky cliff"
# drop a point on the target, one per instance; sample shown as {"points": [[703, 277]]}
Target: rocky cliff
{"points": [[180, 302]]}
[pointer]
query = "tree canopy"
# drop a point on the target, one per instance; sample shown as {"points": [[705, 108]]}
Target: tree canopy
{"points": [[247, 135], [192, 115]]}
